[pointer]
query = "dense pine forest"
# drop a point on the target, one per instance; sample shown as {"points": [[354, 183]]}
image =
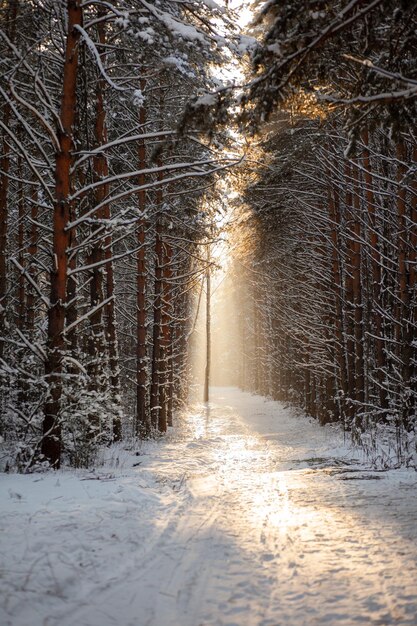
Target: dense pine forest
{"points": [[208, 313], [126, 128], [325, 273], [104, 205]]}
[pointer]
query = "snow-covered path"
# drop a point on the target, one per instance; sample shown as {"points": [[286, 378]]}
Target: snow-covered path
{"points": [[248, 516]]}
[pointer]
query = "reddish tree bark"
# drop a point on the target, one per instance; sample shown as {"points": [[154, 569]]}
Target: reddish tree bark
{"points": [[11, 14], [51, 442]]}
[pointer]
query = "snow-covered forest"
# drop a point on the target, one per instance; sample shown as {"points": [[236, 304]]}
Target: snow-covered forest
{"points": [[104, 205], [208, 305]]}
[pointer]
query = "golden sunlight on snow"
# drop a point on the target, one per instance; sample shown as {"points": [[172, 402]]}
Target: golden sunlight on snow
{"points": [[304, 534]]}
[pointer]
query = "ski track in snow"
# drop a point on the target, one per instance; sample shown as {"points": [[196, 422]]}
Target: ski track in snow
{"points": [[246, 515]]}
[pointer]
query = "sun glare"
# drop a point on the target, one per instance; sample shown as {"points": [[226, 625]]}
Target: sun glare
{"points": [[243, 10], [222, 299]]}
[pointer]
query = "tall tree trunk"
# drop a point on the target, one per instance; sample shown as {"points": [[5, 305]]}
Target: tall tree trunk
{"points": [[107, 281], [357, 297], [208, 329], [403, 336], [21, 292], [71, 315], [166, 356], [349, 313], [376, 272], [11, 14], [32, 253], [156, 338], [412, 287], [96, 343], [21, 246], [143, 425], [51, 442], [340, 364], [112, 339]]}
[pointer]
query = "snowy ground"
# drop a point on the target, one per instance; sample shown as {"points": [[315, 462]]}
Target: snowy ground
{"points": [[246, 516]]}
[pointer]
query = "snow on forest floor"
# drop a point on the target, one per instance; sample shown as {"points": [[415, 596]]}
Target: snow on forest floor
{"points": [[245, 515]]}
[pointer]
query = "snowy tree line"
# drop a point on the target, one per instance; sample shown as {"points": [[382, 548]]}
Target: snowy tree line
{"points": [[107, 194], [101, 214], [326, 270]]}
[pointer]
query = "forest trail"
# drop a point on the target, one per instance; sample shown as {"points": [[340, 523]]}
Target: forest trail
{"points": [[247, 515]]}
